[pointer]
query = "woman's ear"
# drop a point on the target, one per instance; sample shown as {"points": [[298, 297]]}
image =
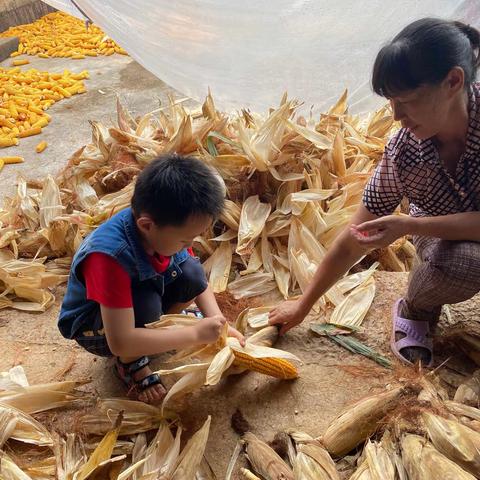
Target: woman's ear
{"points": [[455, 80]]}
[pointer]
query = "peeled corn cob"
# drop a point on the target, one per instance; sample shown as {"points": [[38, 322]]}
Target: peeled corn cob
{"points": [[61, 35], [41, 146], [10, 160], [275, 367]]}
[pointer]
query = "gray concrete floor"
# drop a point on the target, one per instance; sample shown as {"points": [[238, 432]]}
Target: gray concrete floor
{"points": [[69, 128]]}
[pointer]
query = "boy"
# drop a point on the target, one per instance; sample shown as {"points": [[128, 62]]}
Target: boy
{"points": [[139, 265]]}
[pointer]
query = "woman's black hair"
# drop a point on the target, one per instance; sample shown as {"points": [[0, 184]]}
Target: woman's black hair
{"points": [[423, 53]]}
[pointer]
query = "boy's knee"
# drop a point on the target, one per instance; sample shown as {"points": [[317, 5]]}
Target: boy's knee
{"points": [[192, 281]]}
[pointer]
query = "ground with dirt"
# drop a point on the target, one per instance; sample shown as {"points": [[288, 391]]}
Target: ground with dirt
{"points": [[330, 377]]}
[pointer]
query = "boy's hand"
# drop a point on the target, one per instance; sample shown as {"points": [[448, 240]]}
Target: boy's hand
{"points": [[233, 332], [209, 328]]}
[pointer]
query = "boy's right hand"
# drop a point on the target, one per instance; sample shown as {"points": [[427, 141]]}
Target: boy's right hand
{"points": [[209, 329]]}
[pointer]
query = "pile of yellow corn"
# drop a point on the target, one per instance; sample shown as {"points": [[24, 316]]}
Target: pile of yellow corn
{"points": [[26, 95], [61, 35]]}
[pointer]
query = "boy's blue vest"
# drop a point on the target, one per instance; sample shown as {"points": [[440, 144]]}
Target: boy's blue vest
{"points": [[119, 238]]}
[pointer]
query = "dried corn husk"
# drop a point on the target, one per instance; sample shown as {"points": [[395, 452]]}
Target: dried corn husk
{"points": [[100, 455], [137, 417], [422, 461], [354, 308], [10, 470], [454, 440], [27, 429], [252, 221], [220, 264], [38, 398], [191, 456], [359, 421], [313, 462], [264, 460], [362, 473], [469, 391], [379, 462]]}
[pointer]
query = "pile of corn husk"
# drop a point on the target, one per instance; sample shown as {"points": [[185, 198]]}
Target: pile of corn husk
{"points": [[292, 185], [410, 431], [78, 457]]}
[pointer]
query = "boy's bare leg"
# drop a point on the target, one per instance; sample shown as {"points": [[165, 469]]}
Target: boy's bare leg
{"points": [[152, 394]]}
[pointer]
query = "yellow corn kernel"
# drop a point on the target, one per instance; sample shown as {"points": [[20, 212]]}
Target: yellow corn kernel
{"points": [[11, 160], [275, 367], [30, 131], [17, 63], [8, 141], [41, 146]]}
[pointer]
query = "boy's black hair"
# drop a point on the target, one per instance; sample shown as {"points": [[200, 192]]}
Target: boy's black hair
{"points": [[173, 188], [423, 53]]}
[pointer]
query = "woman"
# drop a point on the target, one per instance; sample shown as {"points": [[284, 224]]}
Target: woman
{"points": [[427, 73]]}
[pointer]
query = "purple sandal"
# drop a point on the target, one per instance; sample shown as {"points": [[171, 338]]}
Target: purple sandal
{"points": [[416, 335]]}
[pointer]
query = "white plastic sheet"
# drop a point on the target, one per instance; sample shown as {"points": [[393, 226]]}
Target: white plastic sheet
{"points": [[249, 52]]}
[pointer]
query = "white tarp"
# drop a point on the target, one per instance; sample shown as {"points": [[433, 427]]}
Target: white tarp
{"points": [[249, 52]]}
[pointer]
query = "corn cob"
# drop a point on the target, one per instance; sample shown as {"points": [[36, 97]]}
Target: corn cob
{"points": [[17, 63], [11, 160], [265, 461], [423, 461], [61, 35], [275, 367], [359, 421], [454, 440], [41, 146], [248, 475]]}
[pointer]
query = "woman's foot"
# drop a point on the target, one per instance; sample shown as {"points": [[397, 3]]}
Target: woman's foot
{"points": [[141, 383], [411, 341]]}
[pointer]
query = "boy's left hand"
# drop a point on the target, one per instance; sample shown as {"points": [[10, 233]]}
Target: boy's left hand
{"points": [[233, 332]]}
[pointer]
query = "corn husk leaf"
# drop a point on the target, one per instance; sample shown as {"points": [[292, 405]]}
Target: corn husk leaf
{"points": [[39, 398], [191, 456], [10, 470], [252, 285], [354, 308], [252, 221], [27, 429], [220, 267]]}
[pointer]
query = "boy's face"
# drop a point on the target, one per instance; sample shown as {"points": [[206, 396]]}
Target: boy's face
{"points": [[169, 239]]}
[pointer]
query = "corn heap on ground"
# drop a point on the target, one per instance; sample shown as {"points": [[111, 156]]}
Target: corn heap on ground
{"points": [[26, 95], [61, 35]]}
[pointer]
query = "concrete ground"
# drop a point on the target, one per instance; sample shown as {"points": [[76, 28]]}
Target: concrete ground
{"points": [[69, 128]]}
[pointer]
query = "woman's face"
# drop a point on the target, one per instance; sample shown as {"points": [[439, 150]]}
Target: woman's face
{"points": [[426, 110]]}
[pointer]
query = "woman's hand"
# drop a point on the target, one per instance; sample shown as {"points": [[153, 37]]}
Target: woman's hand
{"points": [[381, 232], [287, 315]]}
